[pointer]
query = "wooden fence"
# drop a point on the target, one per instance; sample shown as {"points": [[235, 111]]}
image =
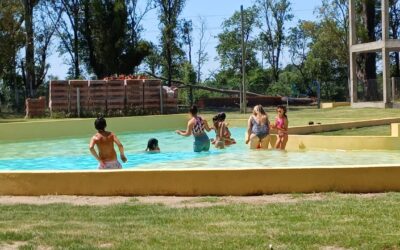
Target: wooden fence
{"points": [[35, 107], [80, 96]]}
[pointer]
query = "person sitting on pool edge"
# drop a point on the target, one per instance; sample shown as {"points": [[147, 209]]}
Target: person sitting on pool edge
{"points": [[152, 146], [258, 129], [104, 140], [197, 126]]}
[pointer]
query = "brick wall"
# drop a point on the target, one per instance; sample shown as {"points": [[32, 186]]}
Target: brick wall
{"points": [[35, 107], [110, 95]]}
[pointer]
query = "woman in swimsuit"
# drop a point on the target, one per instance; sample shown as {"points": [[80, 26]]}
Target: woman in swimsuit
{"points": [[258, 129], [281, 125], [197, 126]]}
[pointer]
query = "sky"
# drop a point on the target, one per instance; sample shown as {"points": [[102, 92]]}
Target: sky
{"points": [[214, 12]]}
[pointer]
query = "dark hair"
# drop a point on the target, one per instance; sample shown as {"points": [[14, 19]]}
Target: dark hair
{"points": [[152, 144], [100, 123], [284, 110], [193, 110], [220, 117]]}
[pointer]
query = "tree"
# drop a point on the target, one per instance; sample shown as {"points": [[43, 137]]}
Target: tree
{"points": [[153, 60], [169, 11], [44, 32], [135, 17], [12, 40], [229, 41], [29, 68], [299, 41], [272, 38], [201, 53], [394, 26], [187, 37], [109, 48], [369, 59], [69, 32]]}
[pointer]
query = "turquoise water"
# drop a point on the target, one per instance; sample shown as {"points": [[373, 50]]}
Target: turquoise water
{"points": [[73, 154]]}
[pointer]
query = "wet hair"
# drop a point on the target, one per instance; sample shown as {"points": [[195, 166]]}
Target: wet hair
{"points": [[220, 117], [100, 123], [259, 108], [152, 144], [193, 110], [283, 108]]}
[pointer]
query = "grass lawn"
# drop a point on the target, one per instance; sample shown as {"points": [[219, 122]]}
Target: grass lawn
{"points": [[367, 131], [299, 116], [336, 221]]}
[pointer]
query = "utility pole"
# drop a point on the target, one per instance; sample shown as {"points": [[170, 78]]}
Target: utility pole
{"points": [[243, 88]]}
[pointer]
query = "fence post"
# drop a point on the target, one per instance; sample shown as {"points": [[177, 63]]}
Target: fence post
{"points": [[143, 94], [78, 101], [161, 100], [393, 89]]}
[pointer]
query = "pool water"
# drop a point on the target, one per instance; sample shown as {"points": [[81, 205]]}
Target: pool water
{"points": [[176, 153]]}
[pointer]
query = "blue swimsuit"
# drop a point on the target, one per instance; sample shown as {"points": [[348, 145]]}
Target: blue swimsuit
{"points": [[260, 130]]}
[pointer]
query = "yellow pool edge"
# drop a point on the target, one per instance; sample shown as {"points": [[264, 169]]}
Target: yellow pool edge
{"points": [[353, 179]]}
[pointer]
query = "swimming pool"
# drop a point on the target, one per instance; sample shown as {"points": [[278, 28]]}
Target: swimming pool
{"points": [[73, 154]]}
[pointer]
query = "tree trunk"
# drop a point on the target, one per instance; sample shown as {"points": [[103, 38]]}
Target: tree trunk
{"points": [[77, 72], [30, 47]]}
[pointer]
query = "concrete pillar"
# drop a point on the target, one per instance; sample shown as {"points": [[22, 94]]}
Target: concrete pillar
{"points": [[385, 52], [386, 76], [352, 41], [395, 128]]}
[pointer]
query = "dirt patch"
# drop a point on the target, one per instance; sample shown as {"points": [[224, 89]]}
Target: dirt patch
{"points": [[332, 248], [12, 246], [68, 199], [177, 201]]}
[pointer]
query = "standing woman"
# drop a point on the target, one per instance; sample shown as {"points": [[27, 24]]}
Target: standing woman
{"points": [[258, 129], [196, 126]]}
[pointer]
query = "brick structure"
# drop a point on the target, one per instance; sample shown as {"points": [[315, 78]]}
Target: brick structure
{"points": [[112, 95], [97, 96], [35, 107], [59, 101], [116, 95]]}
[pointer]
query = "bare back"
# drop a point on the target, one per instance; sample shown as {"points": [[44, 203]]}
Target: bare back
{"points": [[105, 145]]}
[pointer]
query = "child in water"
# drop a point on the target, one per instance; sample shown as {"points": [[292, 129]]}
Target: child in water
{"points": [[281, 125], [223, 135], [152, 146], [104, 140]]}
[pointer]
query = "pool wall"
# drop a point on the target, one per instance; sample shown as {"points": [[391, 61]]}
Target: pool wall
{"points": [[35, 130], [323, 142], [360, 179]]}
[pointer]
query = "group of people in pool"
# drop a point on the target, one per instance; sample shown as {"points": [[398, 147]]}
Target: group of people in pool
{"points": [[257, 136]]}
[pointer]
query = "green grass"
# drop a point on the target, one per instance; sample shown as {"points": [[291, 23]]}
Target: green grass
{"points": [[337, 221], [299, 116], [373, 131]]}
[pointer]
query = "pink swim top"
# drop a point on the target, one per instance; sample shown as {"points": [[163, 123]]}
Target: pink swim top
{"points": [[280, 123]]}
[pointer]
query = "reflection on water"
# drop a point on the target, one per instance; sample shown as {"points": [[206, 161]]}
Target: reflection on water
{"points": [[176, 153]]}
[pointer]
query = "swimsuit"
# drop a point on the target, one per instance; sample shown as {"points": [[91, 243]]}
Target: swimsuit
{"points": [[280, 124], [201, 140], [111, 165], [260, 130]]}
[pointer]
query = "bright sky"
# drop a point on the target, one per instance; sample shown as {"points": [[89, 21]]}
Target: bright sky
{"points": [[214, 12]]}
